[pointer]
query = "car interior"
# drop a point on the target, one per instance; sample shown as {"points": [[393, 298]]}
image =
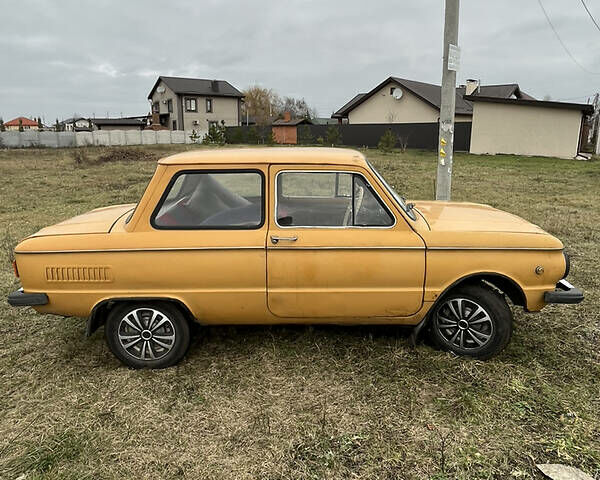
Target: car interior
{"points": [[202, 201], [206, 200]]}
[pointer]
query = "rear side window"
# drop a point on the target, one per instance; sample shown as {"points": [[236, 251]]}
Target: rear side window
{"points": [[212, 200], [328, 199]]}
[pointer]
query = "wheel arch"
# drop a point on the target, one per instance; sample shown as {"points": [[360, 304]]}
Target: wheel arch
{"points": [[497, 281], [101, 310]]}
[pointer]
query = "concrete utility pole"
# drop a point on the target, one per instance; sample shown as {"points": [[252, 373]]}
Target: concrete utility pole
{"points": [[448, 106]]}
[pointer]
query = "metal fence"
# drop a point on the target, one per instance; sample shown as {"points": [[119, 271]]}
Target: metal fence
{"points": [[34, 138], [414, 135]]}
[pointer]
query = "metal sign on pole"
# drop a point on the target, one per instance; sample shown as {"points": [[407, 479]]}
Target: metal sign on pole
{"points": [[451, 64]]}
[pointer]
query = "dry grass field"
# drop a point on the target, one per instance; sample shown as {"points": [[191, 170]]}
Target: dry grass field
{"points": [[302, 402]]}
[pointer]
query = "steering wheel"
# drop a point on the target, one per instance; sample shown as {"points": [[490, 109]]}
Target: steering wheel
{"points": [[360, 195]]}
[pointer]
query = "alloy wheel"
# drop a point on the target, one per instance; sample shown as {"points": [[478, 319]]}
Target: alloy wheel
{"points": [[146, 334], [464, 324]]}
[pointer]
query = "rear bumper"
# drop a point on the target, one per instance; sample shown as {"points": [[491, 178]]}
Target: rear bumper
{"points": [[22, 299], [564, 293]]}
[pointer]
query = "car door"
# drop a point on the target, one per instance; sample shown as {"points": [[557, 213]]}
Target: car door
{"points": [[335, 248], [205, 241]]}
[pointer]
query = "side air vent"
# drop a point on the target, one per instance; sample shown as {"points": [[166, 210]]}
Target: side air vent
{"points": [[79, 274]]}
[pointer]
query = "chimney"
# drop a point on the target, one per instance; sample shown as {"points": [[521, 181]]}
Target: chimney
{"points": [[214, 85], [472, 86], [287, 116]]}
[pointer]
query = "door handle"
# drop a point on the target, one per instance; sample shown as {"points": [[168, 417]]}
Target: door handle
{"points": [[275, 240]]}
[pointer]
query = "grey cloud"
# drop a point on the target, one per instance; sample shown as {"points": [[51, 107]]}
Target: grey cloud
{"points": [[61, 57]]}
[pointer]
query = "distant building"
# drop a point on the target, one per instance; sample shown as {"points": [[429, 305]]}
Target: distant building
{"points": [[75, 124], [129, 123], [24, 122], [399, 100], [285, 130], [189, 103]]}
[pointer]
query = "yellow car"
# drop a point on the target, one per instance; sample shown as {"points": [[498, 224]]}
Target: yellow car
{"points": [[288, 235]]}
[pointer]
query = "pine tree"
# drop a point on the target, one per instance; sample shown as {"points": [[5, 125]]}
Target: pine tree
{"points": [[388, 141], [334, 137], [20, 124], [2, 127]]}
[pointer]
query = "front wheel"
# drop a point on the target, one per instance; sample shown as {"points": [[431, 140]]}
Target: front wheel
{"points": [[147, 335], [472, 320]]}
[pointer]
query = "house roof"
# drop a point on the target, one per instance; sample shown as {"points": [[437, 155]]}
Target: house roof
{"points": [[279, 155], [71, 120], [584, 107], [26, 122], [292, 122], [432, 94], [198, 86], [117, 121]]}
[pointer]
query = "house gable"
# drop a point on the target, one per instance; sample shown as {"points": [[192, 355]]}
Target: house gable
{"points": [[382, 107]]}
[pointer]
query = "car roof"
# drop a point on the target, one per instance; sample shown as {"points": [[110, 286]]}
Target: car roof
{"points": [[277, 155]]}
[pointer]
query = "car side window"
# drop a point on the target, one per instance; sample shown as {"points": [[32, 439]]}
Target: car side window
{"points": [[328, 199], [368, 210], [212, 200]]}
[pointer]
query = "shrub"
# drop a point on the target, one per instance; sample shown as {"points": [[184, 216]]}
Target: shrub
{"points": [[195, 136], [321, 141], [388, 141], [215, 135], [80, 157], [334, 136]]}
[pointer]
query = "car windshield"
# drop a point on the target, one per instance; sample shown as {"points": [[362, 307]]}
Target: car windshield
{"points": [[401, 200]]}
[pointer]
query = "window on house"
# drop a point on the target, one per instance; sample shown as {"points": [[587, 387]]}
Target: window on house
{"points": [[328, 199], [170, 105], [155, 107], [191, 105], [174, 124], [209, 105]]}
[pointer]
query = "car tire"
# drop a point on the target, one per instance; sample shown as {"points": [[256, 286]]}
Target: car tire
{"points": [[147, 335], [472, 320]]}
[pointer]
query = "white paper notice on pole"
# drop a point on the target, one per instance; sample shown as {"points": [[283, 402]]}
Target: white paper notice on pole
{"points": [[453, 57]]}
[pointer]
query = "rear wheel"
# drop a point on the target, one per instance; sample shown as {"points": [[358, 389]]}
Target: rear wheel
{"points": [[472, 320], [147, 335]]}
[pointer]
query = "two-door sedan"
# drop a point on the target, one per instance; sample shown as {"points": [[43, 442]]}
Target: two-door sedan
{"points": [[288, 235]]}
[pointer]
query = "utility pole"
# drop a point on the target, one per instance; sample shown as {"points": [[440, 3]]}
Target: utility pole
{"points": [[448, 106]]}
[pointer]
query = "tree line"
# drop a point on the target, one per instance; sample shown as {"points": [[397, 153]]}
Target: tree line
{"points": [[264, 105]]}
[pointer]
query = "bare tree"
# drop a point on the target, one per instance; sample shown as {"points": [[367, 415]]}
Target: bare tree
{"points": [[261, 104], [298, 108]]}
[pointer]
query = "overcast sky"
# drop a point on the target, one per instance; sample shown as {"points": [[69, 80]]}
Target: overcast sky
{"points": [[61, 57]]}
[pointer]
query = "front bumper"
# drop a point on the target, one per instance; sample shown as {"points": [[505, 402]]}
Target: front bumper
{"points": [[564, 293], [22, 299]]}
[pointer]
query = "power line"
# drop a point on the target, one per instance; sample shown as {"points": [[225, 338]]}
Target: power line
{"points": [[590, 14], [563, 43]]}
